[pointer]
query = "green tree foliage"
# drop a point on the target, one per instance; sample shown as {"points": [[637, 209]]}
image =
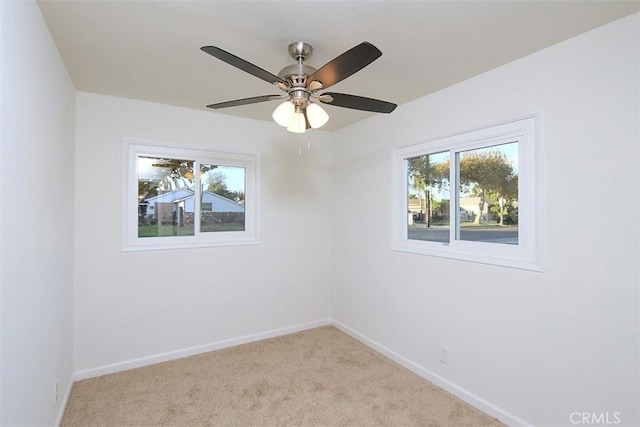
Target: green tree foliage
{"points": [[490, 176], [147, 189], [216, 183], [426, 176], [487, 174], [179, 173], [504, 197]]}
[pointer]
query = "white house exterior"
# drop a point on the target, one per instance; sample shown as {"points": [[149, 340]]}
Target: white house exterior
{"points": [[219, 203], [469, 207], [182, 201]]}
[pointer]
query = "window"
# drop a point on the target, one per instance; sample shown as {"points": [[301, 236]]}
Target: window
{"points": [[474, 196], [177, 198]]}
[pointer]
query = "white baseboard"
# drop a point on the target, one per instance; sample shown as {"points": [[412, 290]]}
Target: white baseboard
{"points": [[64, 401], [191, 351], [436, 379]]}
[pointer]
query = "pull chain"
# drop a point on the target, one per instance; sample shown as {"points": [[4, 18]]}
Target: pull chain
{"points": [[300, 146]]}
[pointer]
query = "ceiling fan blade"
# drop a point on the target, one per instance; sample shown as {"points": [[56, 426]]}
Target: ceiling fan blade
{"points": [[346, 64], [240, 63], [357, 102], [245, 101]]}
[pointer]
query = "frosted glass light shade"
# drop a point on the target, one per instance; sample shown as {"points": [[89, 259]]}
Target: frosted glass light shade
{"points": [[316, 115], [282, 114], [297, 123]]}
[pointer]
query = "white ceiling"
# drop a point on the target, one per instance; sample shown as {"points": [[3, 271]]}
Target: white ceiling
{"points": [[150, 50]]}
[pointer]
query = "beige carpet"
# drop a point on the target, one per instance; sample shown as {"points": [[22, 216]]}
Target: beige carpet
{"points": [[319, 377]]}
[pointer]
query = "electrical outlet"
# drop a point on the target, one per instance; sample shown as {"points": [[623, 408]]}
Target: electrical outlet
{"points": [[444, 354], [55, 392]]}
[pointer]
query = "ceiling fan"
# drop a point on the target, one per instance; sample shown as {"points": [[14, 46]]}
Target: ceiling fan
{"points": [[301, 84]]}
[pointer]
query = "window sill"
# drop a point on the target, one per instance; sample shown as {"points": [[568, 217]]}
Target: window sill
{"points": [[444, 250], [156, 244]]}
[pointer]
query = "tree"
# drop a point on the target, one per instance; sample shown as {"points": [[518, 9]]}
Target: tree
{"points": [[488, 173], [180, 173], [426, 176], [238, 196], [505, 196], [217, 183]]}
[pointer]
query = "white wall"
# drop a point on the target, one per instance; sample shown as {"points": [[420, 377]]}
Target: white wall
{"points": [[131, 305], [535, 346], [38, 104]]}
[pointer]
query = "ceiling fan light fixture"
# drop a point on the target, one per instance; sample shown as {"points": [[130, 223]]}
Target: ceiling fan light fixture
{"points": [[316, 115], [300, 82], [297, 124], [282, 114]]}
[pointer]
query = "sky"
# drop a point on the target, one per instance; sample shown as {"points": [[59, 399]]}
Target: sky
{"points": [[234, 177], [148, 170]]}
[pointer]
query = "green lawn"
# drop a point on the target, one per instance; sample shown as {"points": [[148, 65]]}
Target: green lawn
{"points": [[466, 224], [482, 224], [170, 230]]}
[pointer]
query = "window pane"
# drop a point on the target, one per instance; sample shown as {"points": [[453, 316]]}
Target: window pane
{"points": [[488, 194], [165, 197], [222, 200], [428, 197]]}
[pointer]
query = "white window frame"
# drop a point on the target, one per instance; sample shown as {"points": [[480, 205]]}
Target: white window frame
{"points": [[130, 240], [527, 254]]}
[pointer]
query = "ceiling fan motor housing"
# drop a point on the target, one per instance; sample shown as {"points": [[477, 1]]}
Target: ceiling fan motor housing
{"points": [[299, 50], [291, 72], [297, 73]]}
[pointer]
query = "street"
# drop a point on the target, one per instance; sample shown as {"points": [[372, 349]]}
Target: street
{"points": [[490, 234]]}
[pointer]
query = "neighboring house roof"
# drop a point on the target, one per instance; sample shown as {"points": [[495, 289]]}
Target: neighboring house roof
{"points": [[219, 203], [217, 200], [472, 204], [415, 204], [170, 196]]}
